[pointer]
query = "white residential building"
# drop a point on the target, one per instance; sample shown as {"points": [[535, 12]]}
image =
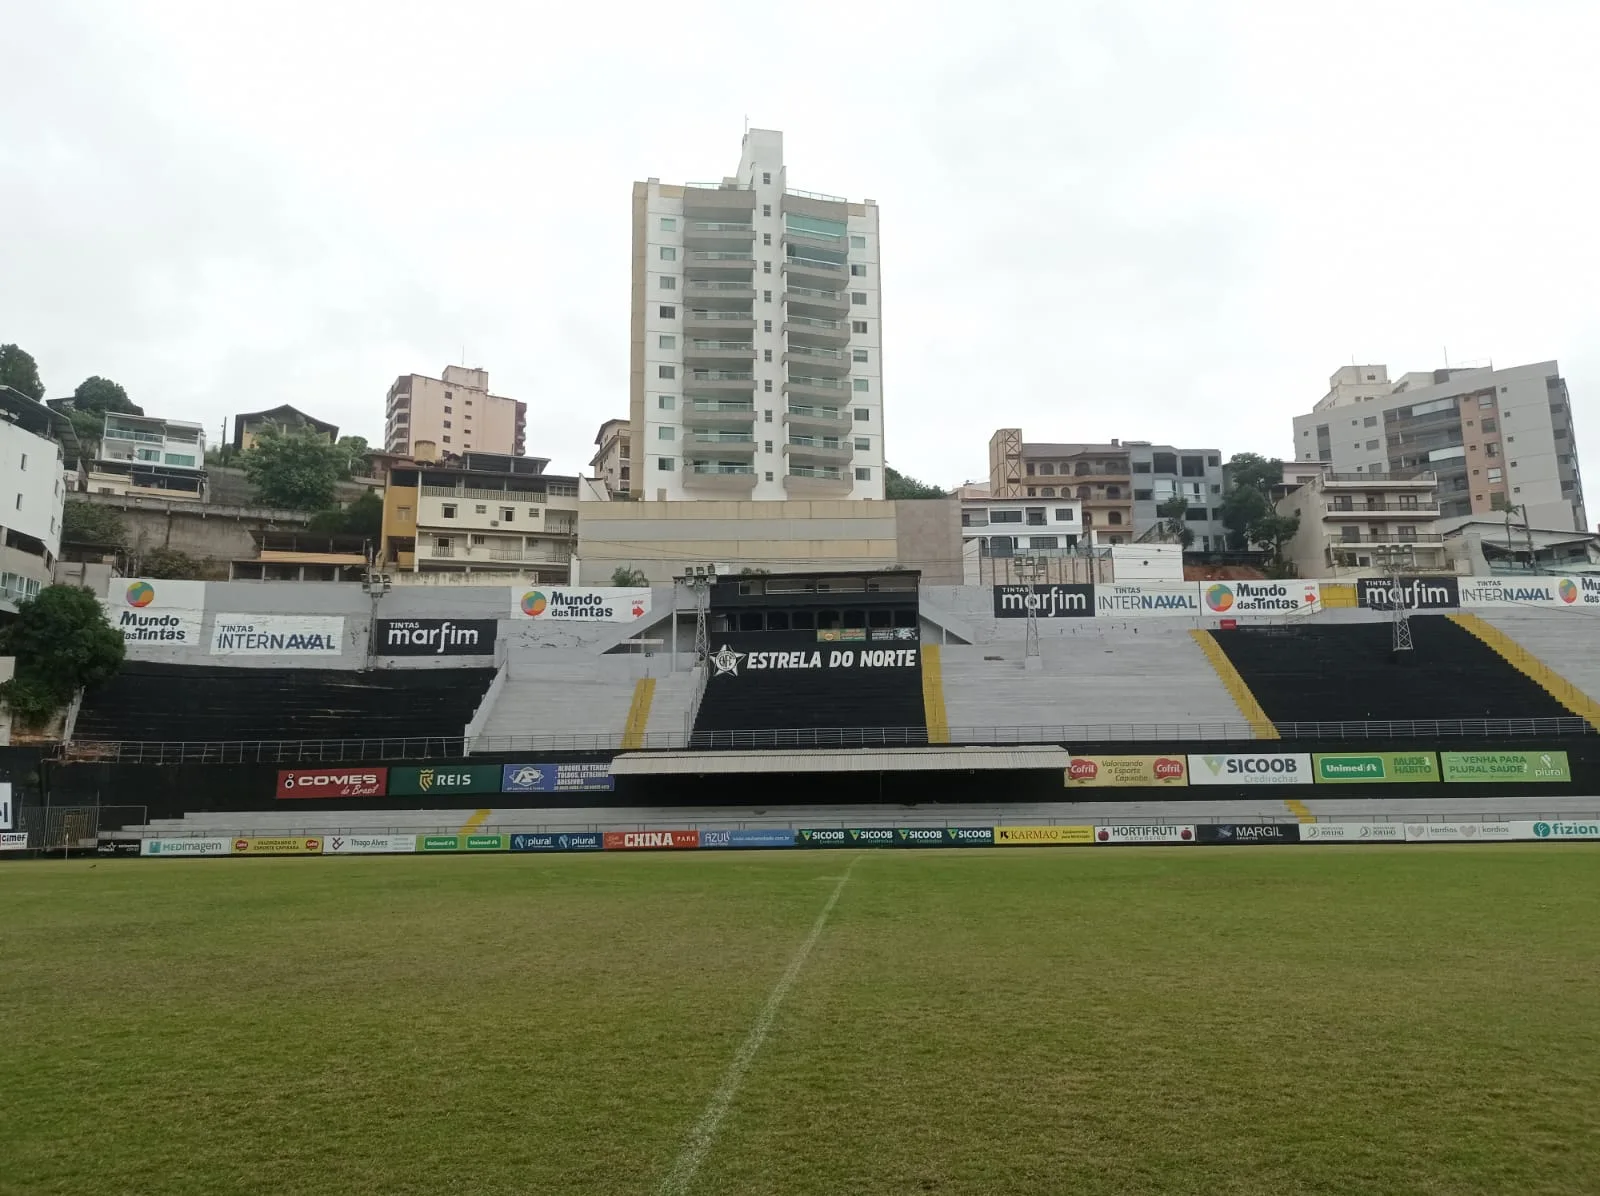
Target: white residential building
{"points": [[32, 496], [1016, 527], [756, 364], [1365, 524], [149, 456]]}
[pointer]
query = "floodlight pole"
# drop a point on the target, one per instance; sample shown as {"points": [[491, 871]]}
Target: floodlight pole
{"points": [[699, 579], [1400, 640]]}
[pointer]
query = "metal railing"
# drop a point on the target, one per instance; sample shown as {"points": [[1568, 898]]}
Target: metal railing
{"points": [[831, 238], [706, 467], [721, 376], [820, 442], [812, 263], [711, 405], [707, 314], [720, 186], [474, 492], [832, 413], [826, 472], [701, 284], [814, 195], [722, 437], [719, 226], [1396, 538], [1382, 479], [742, 346], [806, 351], [813, 322], [1428, 509], [815, 293], [824, 383], [721, 255]]}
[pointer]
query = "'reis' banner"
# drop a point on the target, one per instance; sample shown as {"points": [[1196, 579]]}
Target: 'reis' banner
{"points": [[650, 840], [331, 782], [1042, 836], [1125, 771], [281, 846]]}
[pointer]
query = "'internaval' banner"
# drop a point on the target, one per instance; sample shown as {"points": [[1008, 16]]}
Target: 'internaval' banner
{"points": [[1147, 599], [595, 604], [1557, 592], [277, 635]]}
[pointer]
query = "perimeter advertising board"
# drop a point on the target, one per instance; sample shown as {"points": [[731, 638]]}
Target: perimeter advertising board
{"points": [[13, 840], [277, 635], [1457, 832], [1247, 834], [1533, 767], [462, 842], [369, 844], [311, 845], [1152, 833], [556, 778], [750, 837], [177, 849], [1261, 768], [1236, 598], [1043, 836], [1367, 768], [1561, 593], [147, 610], [1412, 593], [1125, 771], [435, 637], [1046, 601], [434, 780], [1554, 830], [359, 781], [594, 604], [1353, 832], [650, 840], [1151, 599], [563, 841]]}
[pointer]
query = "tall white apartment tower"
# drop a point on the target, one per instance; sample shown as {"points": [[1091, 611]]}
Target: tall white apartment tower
{"points": [[757, 370]]}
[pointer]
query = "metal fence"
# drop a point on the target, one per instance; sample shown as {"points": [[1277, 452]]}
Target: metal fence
{"points": [[335, 751], [57, 828]]}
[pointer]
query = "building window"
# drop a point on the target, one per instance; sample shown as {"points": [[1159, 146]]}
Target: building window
{"points": [[766, 446], [858, 242], [1370, 422], [1114, 517], [507, 514], [447, 511], [766, 386], [858, 271], [669, 224], [859, 298], [480, 509], [668, 253], [666, 464], [1490, 425], [766, 178], [668, 283], [447, 439], [665, 432], [667, 313], [766, 267], [1033, 491], [1047, 492], [766, 296], [1064, 515], [1372, 446], [860, 384], [858, 354], [863, 474], [666, 371], [766, 417], [666, 342], [862, 415], [769, 475], [863, 444], [1046, 467], [858, 326], [766, 239], [447, 423], [1144, 496], [666, 402], [766, 209], [24, 461], [766, 355], [766, 325]]}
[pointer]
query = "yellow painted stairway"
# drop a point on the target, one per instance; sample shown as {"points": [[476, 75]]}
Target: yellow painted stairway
{"points": [[1260, 725], [644, 692], [938, 718], [1531, 667]]}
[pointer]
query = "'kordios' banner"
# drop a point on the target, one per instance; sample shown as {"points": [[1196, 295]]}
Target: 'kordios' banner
{"points": [[436, 637], [595, 604], [1413, 593], [1048, 601], [277, 635]]}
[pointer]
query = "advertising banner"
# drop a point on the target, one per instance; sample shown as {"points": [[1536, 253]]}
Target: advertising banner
{"points": [[563, 841], [277, 635], [1413, 593], [1148, 599], [5, 805], [180, 848], [1264, 768], [592, 605], [434, 779], [649, 840], [1154, 833], [1505, 766], [969, 836], [1457, 832], [1246, 834], [1355, 768], [461, 842], [13, 840], [1554, 830], [1125, 771], [556, 778], [360, 781], [116, 847], [1236, 598], [1352, 832], [726, 662], [153, 611], [279, 846], [753, 837], [435, 637], [1042, 836], [1065, 601], [1562, 593], [438, 842], [822, 836], [369, 844]]}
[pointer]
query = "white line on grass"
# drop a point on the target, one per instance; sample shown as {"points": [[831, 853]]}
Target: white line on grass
{"points": [[705, 1130]]}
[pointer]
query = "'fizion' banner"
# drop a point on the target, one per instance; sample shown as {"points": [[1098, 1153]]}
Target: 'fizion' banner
{"points": [[436, 637], [169, 613], [277, 635], [592, 605]]}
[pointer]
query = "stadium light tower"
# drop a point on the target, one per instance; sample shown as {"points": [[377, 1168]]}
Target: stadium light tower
{"points": [[1028, 574], [699, 579], [1394, 557]]}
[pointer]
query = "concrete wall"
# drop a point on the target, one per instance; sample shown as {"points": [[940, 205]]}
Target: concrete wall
{"points": [[928, 537], [210, 531]]}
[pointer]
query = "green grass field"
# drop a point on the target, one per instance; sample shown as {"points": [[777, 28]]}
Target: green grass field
{"points": [[1256, 1020]]}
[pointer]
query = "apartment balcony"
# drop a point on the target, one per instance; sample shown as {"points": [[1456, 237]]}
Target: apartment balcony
{"points": [[492, 555], [822, 333], [805, 419], [719, 234], [817, 482], [816, 272], [719, 203], [1423, 509], [815, 360], [719, 382], [718, 352], [829, 390], [718, 325], [722, 290], [721, 442], [1422, 479], [824, 302], [805, 242], [716, 413], [812, 451], [1388, 538], [484, 494], [719, 264], [719, 477], [816, 203]]}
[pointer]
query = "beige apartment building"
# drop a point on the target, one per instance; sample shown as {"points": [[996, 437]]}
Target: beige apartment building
{"points": [[427, 418], [612, 462], [1097, 476], [1358, 524]]}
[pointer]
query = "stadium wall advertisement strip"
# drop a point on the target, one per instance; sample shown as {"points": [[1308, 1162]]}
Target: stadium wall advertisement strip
{"points": [[369, 844], [1125, 771], [569, 841], [435, 637], [13, 840], [1505, 766], [1562, 593], [277, 635], [148, 610], [1043, 836], [593, 604], [297, 783], [1226, 599], [1265, 768], [1369, 768]]}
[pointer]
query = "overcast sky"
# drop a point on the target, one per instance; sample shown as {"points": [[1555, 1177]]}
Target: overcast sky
{"points": [[1159, 221]]}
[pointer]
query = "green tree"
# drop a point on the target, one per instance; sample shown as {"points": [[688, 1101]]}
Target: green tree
{"points": [[363, 517], [62, 643], [898, 485], [19, 371], [1251, 479], [1174, 514], [628, 578], [101, 395], [171, 564], [296, 472], [1272, 531], [92, 525], [355, 456]]}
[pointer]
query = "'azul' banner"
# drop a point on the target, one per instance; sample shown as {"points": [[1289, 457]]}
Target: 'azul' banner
{"points": [[570, 841], [756, 837]]}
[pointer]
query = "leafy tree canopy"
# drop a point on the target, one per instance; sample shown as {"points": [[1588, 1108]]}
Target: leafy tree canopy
{"points": [[62, 643], [19, 371], [627, 577], [1174, 514], [363, 517], [171, 564], [355, 455], [898, 485], [101, 395], [296, 472], [1251, 478], [91, 524]]}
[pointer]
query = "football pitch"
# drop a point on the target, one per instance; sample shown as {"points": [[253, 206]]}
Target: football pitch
{"points": [[1089, 1020]]}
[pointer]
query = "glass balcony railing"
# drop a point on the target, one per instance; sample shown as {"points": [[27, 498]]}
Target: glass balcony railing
{"points": [[721, 376], [824, 383], [821, 442], [830, 472], [815, 412], [720, 226], [814, 293], [742, 346], [723, 438], [812, 195], [701, 314], [807, 351], [112, 432], [716, 405], [701, 285], [812, 322], [718, 467], [814, 263], [718, 255]]}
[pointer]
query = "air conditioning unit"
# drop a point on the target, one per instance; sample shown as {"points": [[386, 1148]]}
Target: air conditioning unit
{"points": [[494, 523]]}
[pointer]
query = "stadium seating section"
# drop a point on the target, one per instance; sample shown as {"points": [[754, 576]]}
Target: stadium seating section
{"points": [[148, 701]]}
